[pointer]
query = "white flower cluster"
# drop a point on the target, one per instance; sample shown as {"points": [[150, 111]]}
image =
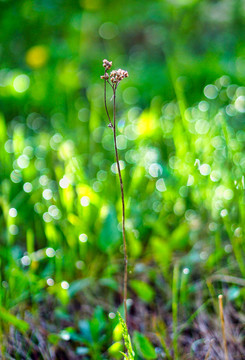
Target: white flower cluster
{"points": [[107, 64], [116, 75]]}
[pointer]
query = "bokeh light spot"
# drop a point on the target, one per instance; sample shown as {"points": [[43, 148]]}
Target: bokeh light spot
{"points": [[211, 91], [205, 169], [160, 185], [108, 30], [13, 212], [65, 285], [21, 83], [240, 104], [85, 201], [27, 187], [83, 238]]}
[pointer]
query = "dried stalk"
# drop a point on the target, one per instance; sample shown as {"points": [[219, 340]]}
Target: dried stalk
{"points": [[221, 312]]}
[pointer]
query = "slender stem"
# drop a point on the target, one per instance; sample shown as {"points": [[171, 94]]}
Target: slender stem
{"points": [[175, 310], [107, 112], [113, 126], [123, 210]]}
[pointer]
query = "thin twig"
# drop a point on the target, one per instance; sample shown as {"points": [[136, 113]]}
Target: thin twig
{"points": [[221, 312]]}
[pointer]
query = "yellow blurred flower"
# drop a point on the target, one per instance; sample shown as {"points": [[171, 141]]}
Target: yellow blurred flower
{"points": [[146, 123], [37, 56]]}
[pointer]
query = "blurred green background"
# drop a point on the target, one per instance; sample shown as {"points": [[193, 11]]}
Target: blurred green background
{"points": [[180, 137]]}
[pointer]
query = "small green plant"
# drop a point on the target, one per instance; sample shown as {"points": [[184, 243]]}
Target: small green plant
{"points": [[115, 77], [127, 340]]}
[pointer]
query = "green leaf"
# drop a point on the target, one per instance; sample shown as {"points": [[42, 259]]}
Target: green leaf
{"points": [[110, 283], [21, 325], [115, 348], [78, 285], [161, 251], [179, 237], [54, 339], [109, 235], [143, 290], [144, 347], [85, 330]]}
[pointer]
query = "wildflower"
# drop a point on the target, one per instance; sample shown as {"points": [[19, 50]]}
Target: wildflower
{"points": [[106, 76], [107, 64], [117, 75], [113, 80]]}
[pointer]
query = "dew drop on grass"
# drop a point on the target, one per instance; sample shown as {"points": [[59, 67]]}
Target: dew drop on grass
{"points": [[121, 142], [54, 212], [203, 106], [97, 186], [155, 170], [8, 146], [190, 180], [27, 187], [101, 175], [50, 252], [85, 201], [64, 182], [25, 260], [223, 213], [114, 166], [83, 238], [240, 104], [38, 208], [23, 161], [186, 271], [202, 126], [215, 175], [211, 91], [65, 285], [43, 180], [80, 264], [50, 282], [16, 176], [197, 163], [47, 194], [111, 315], [160, 185], [13, 212], [238, 232], [21, 83], [228, 194], [13, 229], [205, 169], [47, 217]]}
